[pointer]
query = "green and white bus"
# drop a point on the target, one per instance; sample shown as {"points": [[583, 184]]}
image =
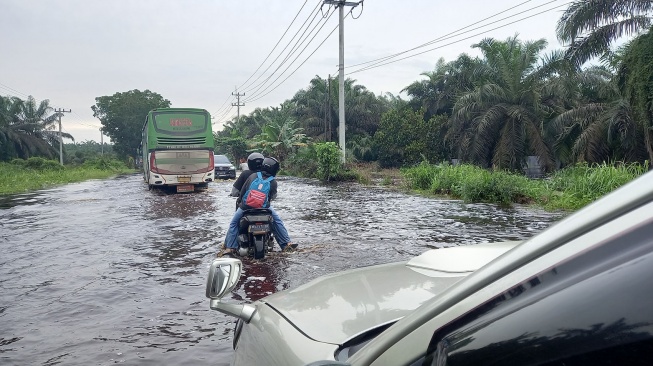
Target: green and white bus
{"points": [[177, 148]]}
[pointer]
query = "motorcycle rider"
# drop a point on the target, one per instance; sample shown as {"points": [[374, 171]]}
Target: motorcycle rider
{"points": [[254, 161], [268, 167]]}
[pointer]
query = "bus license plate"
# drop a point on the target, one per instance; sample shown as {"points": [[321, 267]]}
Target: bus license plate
{"points": [[185, 188], [183, 179], [259, 227]]}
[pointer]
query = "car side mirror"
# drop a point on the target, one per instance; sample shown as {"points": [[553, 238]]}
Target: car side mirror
{"points": [[224, 274]]}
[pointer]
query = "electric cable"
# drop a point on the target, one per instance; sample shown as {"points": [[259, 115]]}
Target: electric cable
{"points": [[314, 15], [298, 67], [255, 88], [449, 34], [256, 93], [454, 42], [275, 46]]}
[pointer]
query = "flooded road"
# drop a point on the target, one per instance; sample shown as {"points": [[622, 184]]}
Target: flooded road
{"points": [[105, 271]]}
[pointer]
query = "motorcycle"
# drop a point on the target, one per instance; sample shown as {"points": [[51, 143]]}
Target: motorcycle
{"points": [[255, 233]]}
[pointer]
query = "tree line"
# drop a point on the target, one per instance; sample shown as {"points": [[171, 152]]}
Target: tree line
{"points": [[492, 111]]}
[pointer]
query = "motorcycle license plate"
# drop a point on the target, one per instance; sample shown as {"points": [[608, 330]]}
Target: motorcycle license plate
{"points": [[259, 227]]}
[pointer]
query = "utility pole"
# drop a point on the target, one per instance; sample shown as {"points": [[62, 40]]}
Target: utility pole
{"points": [[238, 104], [341, 68], [329, 106], [101, 142], [326, 108], [61, 112]]}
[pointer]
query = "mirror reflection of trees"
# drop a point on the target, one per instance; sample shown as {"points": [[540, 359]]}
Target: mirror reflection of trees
{"points": [[602, 344]]}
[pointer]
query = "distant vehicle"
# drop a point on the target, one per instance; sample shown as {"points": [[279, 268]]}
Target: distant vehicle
{"points": [[177, 148], [579, 293], [224, 168]]}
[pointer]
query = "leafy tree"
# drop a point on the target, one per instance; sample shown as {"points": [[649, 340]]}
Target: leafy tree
{"points": [[79, 153], [122, 116], [405, 138], [589, 27], [234, 146]]}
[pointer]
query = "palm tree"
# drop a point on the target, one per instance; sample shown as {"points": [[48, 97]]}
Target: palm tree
{"points": [[590, 27], [27, 128], [314, 108], [600, 127], [437, 94], [363, 109], [279, 136], [634, 77], [503, 119]]}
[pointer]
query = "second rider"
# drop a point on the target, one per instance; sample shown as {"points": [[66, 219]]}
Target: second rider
{"points": [[268, 167]]}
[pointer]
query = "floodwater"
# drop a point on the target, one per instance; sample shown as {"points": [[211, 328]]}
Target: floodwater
{"points": [[105, 271]]}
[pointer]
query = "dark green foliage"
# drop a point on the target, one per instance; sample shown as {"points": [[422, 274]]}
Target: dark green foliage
{"points": [[104, 163], [405, 138], [303, 163], [78, 153], [38, 163], [234, 147], [27, 128], [570, 188], [122, 116], [590, 27], [328, 160], [635, 80]]}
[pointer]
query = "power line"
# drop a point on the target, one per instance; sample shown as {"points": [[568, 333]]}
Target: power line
{"points": [[457, 41], [275, 46], [231, 98], [294, 48], [257, 93], [451, 33], [292, 73], [224, 104]]}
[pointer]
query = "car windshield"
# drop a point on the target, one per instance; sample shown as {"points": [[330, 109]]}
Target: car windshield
{"points": [[221, 159]]}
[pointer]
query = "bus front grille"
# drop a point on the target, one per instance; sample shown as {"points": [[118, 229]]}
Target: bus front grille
{"points": [[181, 140]]}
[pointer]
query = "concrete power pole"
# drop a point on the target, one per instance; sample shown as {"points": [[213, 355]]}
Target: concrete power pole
{"points": [[238, 104], [341, 68], [61, 112]]}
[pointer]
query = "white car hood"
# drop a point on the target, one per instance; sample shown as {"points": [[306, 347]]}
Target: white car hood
{"points": [[336, 308]]}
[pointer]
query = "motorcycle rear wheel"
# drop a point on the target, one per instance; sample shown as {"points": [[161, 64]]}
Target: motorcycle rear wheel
{"points": [[259, 247]]}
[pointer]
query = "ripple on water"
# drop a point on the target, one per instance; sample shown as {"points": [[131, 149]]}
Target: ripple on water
{"points": [[106, 271]]}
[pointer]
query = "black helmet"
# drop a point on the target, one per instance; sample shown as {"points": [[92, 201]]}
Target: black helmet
{"points": [[254, 161], [270, 166]]}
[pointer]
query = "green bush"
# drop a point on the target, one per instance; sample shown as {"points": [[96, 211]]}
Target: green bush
{"points": [[569, 189], [103, 163], [302, 163], [38, 163], [328, 160], [420, 177]]}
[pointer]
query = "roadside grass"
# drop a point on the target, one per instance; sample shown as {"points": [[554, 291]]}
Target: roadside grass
{"points": [[567, 189], [36, 173]]}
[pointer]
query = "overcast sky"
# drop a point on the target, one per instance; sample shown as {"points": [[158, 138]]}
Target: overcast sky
{"points": [[196, 52]]}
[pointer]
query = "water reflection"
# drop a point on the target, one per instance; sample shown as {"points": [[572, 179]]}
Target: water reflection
{"points": [[122, 269]]}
